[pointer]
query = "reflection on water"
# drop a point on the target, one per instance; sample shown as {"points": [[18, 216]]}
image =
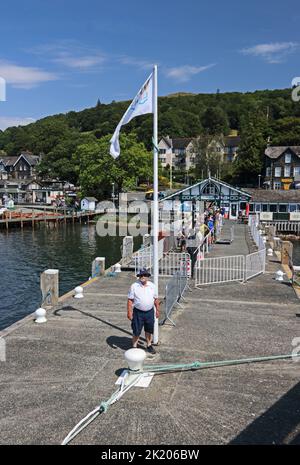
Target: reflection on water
{"points": [[25, 254]]}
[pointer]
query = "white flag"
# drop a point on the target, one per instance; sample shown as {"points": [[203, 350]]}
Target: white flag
{"points": [[141, 104]]}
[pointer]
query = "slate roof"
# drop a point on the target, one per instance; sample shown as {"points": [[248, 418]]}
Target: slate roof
{"points": [[181, 142], [275, 151], [268, 195]]}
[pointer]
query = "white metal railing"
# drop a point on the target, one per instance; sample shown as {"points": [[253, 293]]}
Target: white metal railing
{"points": [[255, 264], [143, 258], [284, 226], [203, 247], [174, 262], [174, 290], [234, 268], [220, 270]]}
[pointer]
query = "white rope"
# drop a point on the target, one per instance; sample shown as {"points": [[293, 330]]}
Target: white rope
{"points": [[100, 409]]}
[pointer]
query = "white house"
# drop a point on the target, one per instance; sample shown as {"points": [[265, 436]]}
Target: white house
{"points": [[88, 203]]}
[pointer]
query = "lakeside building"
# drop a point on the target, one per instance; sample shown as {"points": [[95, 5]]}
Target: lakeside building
{"points": [[180, 151], [282, 167], [35, 192], [209, 192], [281, 205], [270, 204], [19, 167]]}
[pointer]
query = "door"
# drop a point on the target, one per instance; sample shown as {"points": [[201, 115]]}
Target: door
{"points": [[233, 211]]}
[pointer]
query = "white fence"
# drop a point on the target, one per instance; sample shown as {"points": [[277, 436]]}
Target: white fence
{"points": [[284, 226], [255, 264], [220, 270], [143, 258], [175, 262], [235, 268]]}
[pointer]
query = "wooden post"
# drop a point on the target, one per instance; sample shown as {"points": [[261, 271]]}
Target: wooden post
{"points": [[286, 253], [21, 219], [98, 267], [49, 287]]}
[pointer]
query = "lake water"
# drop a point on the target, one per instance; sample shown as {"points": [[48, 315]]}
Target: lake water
{"points": [[25, 254]]}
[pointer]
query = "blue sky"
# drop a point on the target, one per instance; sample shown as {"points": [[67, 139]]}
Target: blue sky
{"points": [[63, 55]]}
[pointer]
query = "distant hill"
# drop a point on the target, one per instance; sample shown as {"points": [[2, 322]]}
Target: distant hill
{"points": [[181, 114]]}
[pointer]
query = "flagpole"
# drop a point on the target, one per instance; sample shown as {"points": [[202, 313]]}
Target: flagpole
{"points": [[155, 195]]}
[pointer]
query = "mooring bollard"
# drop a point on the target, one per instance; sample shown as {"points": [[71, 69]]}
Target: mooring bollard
{"points": [[78, 292], [279, 275], [135, 359], [98, 267], [49, 287], [117, 268], [40, 315]]}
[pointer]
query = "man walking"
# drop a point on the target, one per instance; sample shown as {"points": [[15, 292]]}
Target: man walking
{"points": [[142, 298]]}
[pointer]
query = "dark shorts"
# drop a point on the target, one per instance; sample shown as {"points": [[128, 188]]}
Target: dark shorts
{"points": [[142, 320]]}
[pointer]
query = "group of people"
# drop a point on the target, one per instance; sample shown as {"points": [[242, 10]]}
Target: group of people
{"points": [[143, 303]]}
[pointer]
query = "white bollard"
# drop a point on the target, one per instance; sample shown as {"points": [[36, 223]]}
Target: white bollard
{"points": [[40, 315], [270, 252], [117, 268], [135, 359], [78, 292], [279, 275]]}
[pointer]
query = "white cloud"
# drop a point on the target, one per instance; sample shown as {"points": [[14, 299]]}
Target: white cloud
{"points": [[8, 121], [80, 62], [274, 52], [186, 72], [142, 64], [24, 77], [70, 54]]}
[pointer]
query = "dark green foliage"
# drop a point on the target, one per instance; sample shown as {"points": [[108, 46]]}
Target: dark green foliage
{"points": [[257, 115]]}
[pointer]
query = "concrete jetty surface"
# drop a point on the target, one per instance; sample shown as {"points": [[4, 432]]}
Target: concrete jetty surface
{"points": [[57, 372]]}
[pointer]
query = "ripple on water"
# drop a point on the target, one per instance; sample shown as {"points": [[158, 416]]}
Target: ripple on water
{"points": [[24, 255]]}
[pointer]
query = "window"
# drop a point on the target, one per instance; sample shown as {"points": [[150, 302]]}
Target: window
{"points": [[264, 207], [287, 171], [283, 208], [296, 170], [210, 189], [21, 168], [288, 158], [293, 207], [273, 207], [277, 185], [162, 151], [268, 171], [277, 171], [251, 207], [257, 207]]}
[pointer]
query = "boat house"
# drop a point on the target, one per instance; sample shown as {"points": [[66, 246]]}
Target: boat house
{"points": [[209, 192]]}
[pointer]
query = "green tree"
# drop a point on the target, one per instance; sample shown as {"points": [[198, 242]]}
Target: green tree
{"points": [[249, 162], [215, 121], [97, 170]]}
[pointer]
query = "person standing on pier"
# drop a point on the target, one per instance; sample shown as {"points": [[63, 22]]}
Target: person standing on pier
{"points": [[142, 300]]}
